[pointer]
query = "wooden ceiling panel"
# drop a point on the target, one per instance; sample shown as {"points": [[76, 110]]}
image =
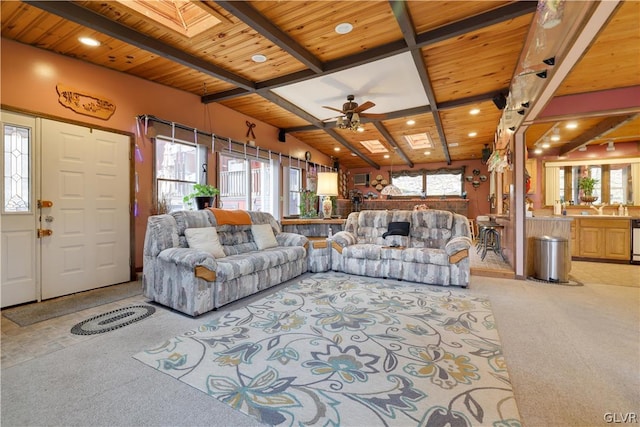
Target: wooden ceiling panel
{"points": [[427, 15], [313, 26], [613, 60], [424, 123], [478, 62], [458, 123], [256, 106], [229, 44]]}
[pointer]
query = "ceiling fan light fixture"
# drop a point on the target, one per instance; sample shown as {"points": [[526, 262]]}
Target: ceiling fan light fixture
{"points": [[343, 28]]}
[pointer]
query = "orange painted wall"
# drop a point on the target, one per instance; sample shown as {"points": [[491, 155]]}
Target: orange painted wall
{"points": [[28, 83]]}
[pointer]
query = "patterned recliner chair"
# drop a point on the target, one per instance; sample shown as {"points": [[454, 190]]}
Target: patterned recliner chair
{"points": [[193, 281], [436, 250]]}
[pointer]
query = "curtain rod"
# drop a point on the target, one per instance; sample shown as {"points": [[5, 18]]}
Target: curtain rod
{"points": [[149, 117]]}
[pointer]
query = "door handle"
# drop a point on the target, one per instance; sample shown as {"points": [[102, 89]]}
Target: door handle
{"points": [[44, 204], [44, 233], [48, 218]]}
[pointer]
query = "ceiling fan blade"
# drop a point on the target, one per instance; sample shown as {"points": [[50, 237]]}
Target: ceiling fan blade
{"points": [[364, 106], [334, 109], [373, 116]]}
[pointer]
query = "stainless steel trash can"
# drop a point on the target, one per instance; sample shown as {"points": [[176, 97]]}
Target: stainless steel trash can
{"points": [[551, 258]]}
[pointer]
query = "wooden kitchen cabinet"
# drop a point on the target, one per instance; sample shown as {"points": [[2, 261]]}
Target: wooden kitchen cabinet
{"points": [[602, 238]]}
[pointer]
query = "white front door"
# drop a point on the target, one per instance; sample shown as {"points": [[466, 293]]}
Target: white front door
{"points": [[85, 174], [18, 240]]}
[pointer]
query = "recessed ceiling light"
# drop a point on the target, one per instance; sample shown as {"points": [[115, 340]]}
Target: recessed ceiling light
{"points": [[386, 156], [354, 155], [427, 153], [411, 122], [89, 41], [336, 149], [258, 58], [555, 137], [344, 28], [472, 134], [546, 145], [453, 144], [538, 151], [572, 125], [474, 111]]}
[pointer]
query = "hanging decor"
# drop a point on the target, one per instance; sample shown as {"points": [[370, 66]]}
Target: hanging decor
{"points": [[85, 103], [251, 137]]}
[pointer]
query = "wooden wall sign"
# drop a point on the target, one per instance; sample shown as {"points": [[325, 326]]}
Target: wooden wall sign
{"points": [[85, 103]]}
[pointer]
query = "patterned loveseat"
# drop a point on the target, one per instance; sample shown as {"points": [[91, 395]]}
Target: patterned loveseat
{"points": [[435, 251], [193, 281]]}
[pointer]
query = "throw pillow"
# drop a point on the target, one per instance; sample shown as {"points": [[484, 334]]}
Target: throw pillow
{"points": [[400, 228], [263, 236], [205, 239]]}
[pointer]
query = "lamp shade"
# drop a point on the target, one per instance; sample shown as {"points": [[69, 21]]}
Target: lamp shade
{"points": [[391, 190], [327, 184]]}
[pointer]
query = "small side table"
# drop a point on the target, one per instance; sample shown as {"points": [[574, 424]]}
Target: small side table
{"points": [[319, 254]]}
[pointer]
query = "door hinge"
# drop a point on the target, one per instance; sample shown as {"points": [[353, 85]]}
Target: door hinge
{"points": [[44, 232]]}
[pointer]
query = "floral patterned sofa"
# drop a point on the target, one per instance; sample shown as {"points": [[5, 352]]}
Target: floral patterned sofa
{"points": [[193, 281], [435, 251]]}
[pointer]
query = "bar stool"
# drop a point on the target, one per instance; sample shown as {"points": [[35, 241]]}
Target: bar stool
{"points": [[480, 219], [491, 242]]}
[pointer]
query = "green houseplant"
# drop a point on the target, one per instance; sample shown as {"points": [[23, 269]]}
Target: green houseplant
{"points": [[587, 184], [203, 194]]}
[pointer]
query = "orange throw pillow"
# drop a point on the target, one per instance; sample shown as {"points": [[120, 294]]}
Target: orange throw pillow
{"points": [[231, 217]]}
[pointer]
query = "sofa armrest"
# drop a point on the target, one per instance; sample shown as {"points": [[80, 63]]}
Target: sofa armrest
{"points": [[458, 248], [193, 261], [342, 239], [291, 239]]}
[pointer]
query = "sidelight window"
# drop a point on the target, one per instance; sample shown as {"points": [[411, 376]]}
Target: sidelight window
{"points": [[17, 171]]}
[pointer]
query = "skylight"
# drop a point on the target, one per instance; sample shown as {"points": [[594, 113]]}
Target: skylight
{"points": [[185, 17], [419, 141], [374, 146]]}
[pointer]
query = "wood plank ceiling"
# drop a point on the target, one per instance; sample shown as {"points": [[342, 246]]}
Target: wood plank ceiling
{"points": [[463, 52]]}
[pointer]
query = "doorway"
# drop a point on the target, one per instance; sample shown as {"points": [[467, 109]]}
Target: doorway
{"points": [[65, 209]]}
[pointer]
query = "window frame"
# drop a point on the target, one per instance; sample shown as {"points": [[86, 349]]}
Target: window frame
{"points": [[425, 173]]}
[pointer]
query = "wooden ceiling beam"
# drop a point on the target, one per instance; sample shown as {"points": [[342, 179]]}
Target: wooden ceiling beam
{"points": [[403, 18], [385, 133], [247, 14], [607, 125], [293, 109], [97, 22], [335, 135], [483, 20]]}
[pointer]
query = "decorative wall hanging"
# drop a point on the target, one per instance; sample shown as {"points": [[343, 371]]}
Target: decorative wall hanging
{"points": [[85, 103], [251, 137]]}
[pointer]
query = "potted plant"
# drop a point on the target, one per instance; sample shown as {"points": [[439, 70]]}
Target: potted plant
{"points": [[586, 184], [204, 195]]}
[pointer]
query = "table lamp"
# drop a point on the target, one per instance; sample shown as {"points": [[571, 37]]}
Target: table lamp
{"points": [[327, 187]]}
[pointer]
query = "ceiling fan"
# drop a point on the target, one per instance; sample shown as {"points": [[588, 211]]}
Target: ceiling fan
{"points": [[352, 112]]}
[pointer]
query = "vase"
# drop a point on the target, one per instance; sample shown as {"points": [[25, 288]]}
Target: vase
{"points": [[203, 202]]}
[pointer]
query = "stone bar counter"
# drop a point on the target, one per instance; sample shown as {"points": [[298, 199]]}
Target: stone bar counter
{"points": [[457, 205]]}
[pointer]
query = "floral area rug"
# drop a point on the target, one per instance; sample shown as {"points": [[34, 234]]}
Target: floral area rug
{"points": [[340, 350]]}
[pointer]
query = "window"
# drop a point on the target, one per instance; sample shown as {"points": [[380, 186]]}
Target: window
{"points": [[432, 183], [17, 173], [178, 165], [295, 186], [248, 184], [618, 180]]}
